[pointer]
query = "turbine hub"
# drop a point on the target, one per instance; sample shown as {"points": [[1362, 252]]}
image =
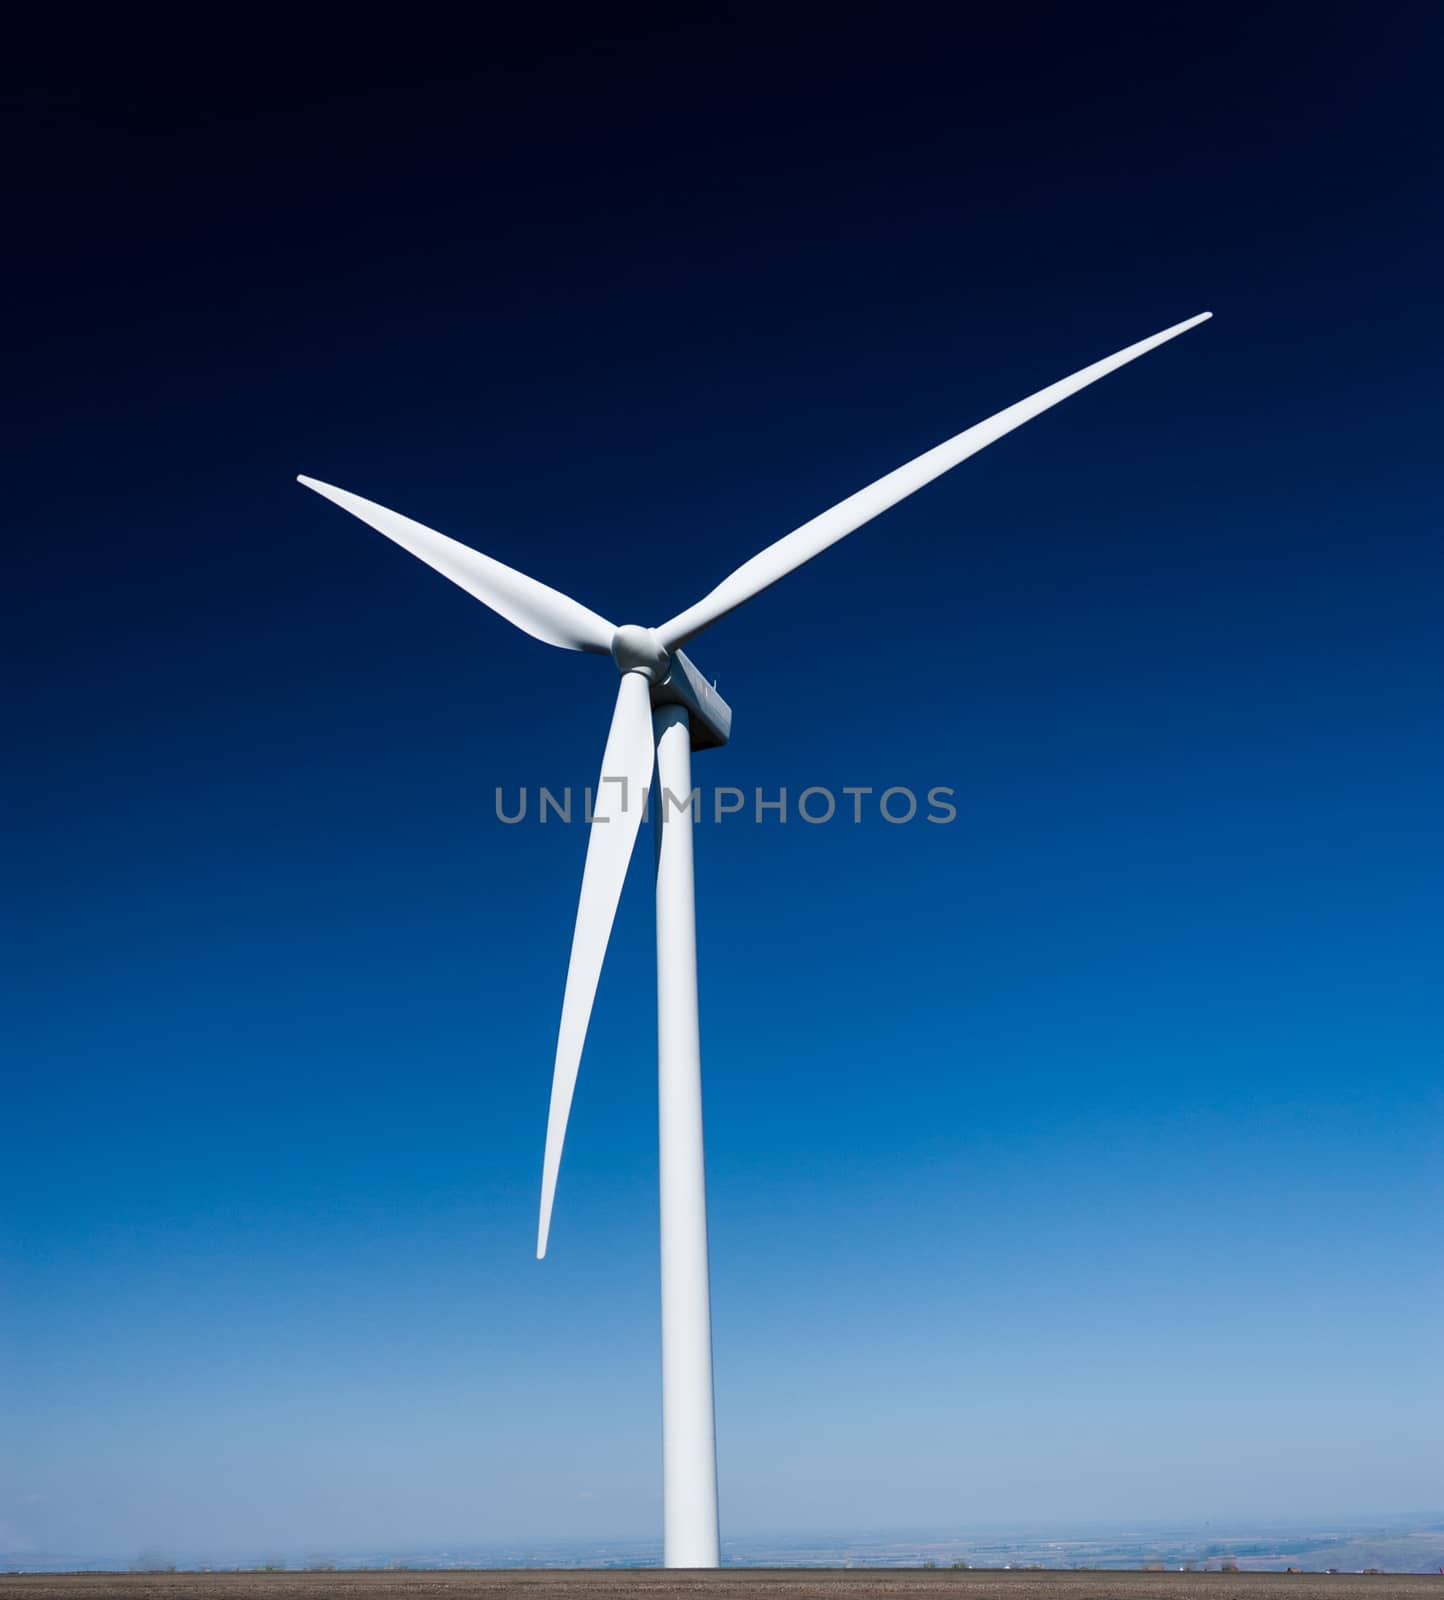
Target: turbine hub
{"points": [[637, 649]]}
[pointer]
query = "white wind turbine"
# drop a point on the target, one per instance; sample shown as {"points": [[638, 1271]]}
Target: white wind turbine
{"points": [[663, 699]]}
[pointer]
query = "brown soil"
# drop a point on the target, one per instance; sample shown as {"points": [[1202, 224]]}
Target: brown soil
{"points": [[728, 1584]]}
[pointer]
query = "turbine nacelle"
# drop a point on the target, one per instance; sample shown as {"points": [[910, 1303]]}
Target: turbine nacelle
{"points": [[674, 681], [709, 717]]}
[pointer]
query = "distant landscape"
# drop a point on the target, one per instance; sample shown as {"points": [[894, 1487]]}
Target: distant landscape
{"points": [[1382, 1545]]}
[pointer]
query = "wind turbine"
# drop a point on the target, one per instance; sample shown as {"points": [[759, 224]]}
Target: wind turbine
{"points": [[666, 707]]}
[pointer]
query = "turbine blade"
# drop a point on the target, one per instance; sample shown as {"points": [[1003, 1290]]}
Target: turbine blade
{"points": [[616, 816], [544, 613], [803, 543]]}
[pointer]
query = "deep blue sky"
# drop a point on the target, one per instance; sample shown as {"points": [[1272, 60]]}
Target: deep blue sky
{"points": [[1077, 1160]]}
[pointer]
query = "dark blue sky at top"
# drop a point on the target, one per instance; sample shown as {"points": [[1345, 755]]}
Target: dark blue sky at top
{"points": [[1079, 1159]]}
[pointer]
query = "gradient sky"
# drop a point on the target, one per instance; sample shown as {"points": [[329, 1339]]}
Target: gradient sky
{"points": [[1078, 1160]]}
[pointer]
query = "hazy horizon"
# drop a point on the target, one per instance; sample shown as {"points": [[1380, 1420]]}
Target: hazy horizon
{"points": [[1259, 1544]]}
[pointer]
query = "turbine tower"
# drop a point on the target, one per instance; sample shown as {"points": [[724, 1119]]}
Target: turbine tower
{"points": [[666, 709]]}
